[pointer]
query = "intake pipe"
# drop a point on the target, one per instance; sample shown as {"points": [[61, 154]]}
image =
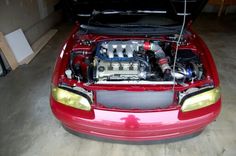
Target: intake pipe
{"points": [[162, 60]]}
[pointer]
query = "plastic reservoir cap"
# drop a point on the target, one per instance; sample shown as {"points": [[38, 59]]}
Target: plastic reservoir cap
{"points": [[68, 73]]}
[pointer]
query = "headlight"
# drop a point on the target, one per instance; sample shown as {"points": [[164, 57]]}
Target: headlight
{"points": [[70, 99], [201, 100]]}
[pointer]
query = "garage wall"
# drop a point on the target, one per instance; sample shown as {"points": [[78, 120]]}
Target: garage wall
{"points": [[35, 17], [214, 9]]}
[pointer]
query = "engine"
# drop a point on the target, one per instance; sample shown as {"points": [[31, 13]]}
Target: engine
{"points": [[129, 60], [139, 60], [119, 70]]}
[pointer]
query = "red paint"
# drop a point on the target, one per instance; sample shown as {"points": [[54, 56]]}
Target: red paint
{"points": [[147, 45], [131, 126], [163, 61], [134, 125]]}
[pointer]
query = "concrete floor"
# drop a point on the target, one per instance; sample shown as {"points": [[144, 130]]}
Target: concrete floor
{"points": [[28, 128]]}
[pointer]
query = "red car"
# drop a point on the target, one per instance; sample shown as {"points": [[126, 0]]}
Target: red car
{"points": [[135, 71]]}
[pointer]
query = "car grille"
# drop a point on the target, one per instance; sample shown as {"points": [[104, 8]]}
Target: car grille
{"points": [[134, 100]]}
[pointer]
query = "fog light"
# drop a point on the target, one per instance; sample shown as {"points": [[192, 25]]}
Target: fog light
{"points": [[201, 100], [70, 99]]}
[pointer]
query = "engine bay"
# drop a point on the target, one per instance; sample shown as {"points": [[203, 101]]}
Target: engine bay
{"points": [[134, 61]]}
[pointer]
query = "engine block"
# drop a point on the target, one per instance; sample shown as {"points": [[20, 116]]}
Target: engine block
{"points": [[117, 70], [118, 50]]}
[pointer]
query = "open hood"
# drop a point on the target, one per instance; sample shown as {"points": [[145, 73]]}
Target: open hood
{"points": [[171, 8]]}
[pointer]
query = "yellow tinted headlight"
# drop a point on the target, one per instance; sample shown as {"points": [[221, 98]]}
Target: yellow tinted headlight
{"points": [[70, 99], [201, 100]]}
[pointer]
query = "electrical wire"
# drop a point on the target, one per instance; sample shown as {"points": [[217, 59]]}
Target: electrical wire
{"points": [[178, 41]]}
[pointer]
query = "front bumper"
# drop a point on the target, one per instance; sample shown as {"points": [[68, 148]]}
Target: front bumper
{"points": [[128, 126]]}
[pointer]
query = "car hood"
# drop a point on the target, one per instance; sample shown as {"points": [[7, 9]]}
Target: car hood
{"points": [[172, 8]]}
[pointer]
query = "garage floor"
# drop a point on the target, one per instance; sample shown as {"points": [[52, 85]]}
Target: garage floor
{"points": [[27, 126]]}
